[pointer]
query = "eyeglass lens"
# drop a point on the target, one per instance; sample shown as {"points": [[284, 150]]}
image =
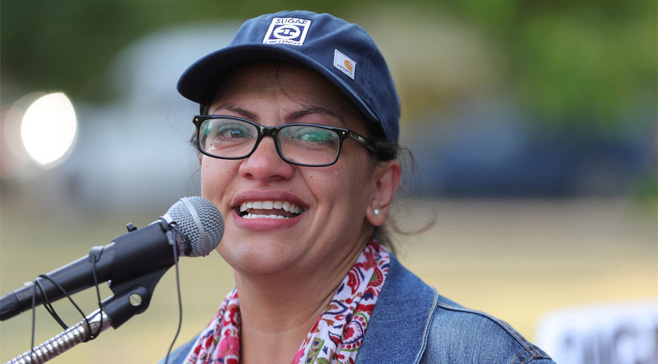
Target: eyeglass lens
{"points": [[302, 144]]}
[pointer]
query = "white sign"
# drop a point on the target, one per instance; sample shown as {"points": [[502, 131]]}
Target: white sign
{"points": [[621, 333]]}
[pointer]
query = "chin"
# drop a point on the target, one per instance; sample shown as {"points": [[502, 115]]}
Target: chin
{"points": [[259, 258]]}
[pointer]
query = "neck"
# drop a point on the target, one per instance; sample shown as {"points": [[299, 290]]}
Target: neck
{"points": [[279, 310]]}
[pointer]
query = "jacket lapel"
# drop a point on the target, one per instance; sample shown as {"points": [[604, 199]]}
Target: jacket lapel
{"points": [[399, 325]]}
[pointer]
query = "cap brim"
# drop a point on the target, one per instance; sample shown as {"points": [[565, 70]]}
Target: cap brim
{"points": [[200, 81]]}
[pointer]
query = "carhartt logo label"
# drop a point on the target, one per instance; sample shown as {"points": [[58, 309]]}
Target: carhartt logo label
{"points": [[290, 31], [344, 63]]}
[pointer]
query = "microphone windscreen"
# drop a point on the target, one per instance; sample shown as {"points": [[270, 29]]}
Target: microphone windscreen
{"points": [[200, 221]]}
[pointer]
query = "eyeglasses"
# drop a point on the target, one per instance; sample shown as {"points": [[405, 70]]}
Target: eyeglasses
{"points": [[309, 145]]}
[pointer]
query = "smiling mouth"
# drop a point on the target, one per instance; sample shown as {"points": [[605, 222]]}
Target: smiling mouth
{"points": [[269, 210]]}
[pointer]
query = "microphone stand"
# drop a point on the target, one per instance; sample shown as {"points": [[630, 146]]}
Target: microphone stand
{"points": [[130, 298], [73, 336]]}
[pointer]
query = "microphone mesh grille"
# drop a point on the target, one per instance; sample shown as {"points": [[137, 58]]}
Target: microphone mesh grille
{"points": [[204, 238]]}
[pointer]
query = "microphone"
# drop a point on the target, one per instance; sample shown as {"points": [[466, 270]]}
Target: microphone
{"points": [[193, 224]]}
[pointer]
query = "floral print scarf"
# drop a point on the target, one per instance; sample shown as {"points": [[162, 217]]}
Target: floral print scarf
{"points": [[336, 336]]}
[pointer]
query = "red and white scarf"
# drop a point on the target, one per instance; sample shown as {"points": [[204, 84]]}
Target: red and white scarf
{"points": [[336, 336]]}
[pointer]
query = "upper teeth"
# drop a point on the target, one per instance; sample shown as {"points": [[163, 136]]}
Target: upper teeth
{"points": [[270, 205]]}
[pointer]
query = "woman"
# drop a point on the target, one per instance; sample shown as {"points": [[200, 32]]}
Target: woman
{"points": [[298, 144]]}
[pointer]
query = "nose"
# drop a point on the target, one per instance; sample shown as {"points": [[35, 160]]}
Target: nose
{"points": [[265, 164]]}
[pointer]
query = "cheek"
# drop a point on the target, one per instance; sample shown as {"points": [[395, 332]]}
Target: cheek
{"points": [[345, 184], [214, 178], [363, 187]]}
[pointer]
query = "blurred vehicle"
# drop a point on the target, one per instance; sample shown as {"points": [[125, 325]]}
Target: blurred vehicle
{"points": [[133, 151], [490, 149]]}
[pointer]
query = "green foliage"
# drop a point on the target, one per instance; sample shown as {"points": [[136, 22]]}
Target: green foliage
{"points": [[587, 62]]}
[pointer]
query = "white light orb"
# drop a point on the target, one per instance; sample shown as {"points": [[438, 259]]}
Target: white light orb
{"points": [[49, 129]]}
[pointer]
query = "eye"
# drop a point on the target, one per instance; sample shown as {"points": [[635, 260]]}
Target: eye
{"points": [[232, 131], [310, 134]]}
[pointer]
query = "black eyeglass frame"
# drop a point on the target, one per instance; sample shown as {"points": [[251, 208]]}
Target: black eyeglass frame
{"points": [[274, 131]]}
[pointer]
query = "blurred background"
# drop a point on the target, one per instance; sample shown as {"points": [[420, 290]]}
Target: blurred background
{"points": [[533, 127]]}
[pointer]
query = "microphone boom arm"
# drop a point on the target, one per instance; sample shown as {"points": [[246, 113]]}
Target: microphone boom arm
{"points": [[119, 263], [130, 298]]}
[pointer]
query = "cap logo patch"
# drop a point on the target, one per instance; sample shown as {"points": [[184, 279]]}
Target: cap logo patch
{"points": [[344, 63], [291, 31]]}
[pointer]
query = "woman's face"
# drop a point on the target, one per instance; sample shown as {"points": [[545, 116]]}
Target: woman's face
{"points": [[331, 206]]}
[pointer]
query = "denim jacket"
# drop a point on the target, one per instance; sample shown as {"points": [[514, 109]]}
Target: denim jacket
{"points": [[412, 323]]}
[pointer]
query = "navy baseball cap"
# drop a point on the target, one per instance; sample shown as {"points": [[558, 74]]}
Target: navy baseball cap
{"points": [[340, 51]]}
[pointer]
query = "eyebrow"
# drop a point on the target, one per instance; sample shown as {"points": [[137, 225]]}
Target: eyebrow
{"points": [[236, 109], [293, 116], [310, 110]]}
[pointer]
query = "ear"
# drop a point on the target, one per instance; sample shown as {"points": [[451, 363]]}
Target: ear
{"points": [[387, 175]]}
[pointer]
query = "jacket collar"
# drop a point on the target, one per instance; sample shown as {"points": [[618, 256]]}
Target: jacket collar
{"points": [[399, 325]]}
